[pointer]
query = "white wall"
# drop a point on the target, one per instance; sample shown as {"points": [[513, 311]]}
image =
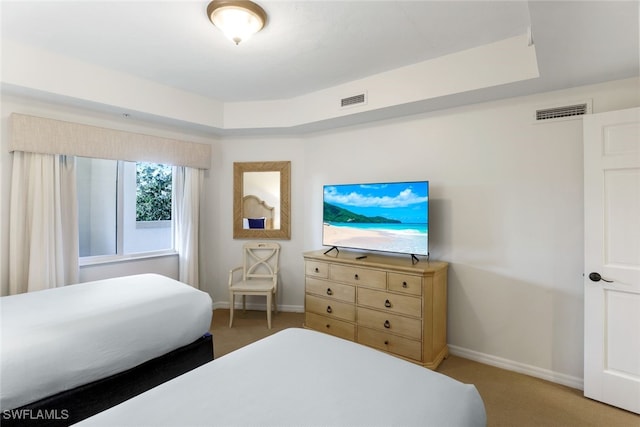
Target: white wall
{"points": [[221, 252], [167, 265], [506, 213]]}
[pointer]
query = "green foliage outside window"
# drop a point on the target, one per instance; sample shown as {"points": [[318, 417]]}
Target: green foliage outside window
{"points": [[153, 198]]}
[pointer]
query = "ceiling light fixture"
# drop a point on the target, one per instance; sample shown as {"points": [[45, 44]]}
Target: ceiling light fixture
{"points": [[238, 20]]}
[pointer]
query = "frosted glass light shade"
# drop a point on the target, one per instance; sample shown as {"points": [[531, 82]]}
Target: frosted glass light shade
{"points": [[238, 20]]}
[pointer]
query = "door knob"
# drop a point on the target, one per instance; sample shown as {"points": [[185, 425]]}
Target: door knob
{"points": [[596, 277]]}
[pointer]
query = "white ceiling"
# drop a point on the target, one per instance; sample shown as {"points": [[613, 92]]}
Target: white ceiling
{"points": [[313, 45]]}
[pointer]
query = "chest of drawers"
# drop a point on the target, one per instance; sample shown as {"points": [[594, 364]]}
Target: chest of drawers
{"points": [[384, 302]]}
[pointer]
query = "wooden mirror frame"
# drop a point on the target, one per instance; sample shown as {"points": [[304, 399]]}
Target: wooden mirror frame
{"points": [[239, 168]]}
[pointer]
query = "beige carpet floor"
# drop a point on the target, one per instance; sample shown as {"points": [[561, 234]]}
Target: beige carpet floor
{"points": [[511, 399]]}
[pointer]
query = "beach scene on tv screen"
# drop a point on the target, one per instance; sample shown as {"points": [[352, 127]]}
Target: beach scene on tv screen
{"points": [[390, 217]]}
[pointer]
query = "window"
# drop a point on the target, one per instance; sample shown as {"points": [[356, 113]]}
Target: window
{"points": [[124, 208]]}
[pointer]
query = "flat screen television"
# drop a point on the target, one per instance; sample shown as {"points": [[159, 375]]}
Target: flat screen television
{"points": [[385, 216]]}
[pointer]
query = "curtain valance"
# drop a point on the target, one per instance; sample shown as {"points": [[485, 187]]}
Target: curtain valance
{"points": [[39, 135]]}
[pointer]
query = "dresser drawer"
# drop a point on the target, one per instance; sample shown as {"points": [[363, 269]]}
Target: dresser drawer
{"points": [[390, 343], [316, 269], [387, 322], [394, 303], [359, 276], [405, 283], [331, 326], [330, 307], [337, 291]]}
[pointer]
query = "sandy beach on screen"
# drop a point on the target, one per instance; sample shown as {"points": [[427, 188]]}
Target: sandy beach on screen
{"points": [[345, 236], [387, 240]]}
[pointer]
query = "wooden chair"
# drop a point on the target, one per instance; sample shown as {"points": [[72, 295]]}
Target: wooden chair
{"points": [[259, 276]]}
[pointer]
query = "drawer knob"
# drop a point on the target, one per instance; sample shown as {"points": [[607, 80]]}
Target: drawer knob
{"points": [[328, 326], [329, 291], [387, 324], [355, 276], [317, 270], [404, 284], [387, 304], [329, 309], [386, 343]]}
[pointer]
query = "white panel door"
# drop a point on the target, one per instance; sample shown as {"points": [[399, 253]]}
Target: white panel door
{"points": [[612, 258]]}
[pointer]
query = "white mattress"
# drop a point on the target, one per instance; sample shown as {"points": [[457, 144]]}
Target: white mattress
{"points": [[300, 377], [58, 339]]}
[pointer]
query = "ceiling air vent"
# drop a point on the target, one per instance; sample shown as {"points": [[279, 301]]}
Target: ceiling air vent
{"points": [[560, 112], [353, 100]]}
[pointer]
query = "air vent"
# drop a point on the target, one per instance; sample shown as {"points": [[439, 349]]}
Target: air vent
{"points": [[353, 100], [559, 112]]}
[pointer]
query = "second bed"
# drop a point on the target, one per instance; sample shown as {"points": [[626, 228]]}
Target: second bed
{"points": [[300, 377]]}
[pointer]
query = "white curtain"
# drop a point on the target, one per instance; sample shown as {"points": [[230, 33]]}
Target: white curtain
{"points": [[43, 222], [186, 213]]}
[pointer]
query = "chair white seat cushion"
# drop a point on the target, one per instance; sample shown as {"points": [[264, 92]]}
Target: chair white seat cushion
{"points": [[253, 285]]}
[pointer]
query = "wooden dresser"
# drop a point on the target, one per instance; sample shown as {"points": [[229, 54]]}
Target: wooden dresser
{"points": [[380, 301]]}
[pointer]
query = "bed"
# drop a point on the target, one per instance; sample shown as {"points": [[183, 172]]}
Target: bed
{"points": [[300, 377], [256, 213], [76, 350]]}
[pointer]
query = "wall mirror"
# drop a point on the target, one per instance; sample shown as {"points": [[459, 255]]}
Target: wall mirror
{"points": [[261, 200]]}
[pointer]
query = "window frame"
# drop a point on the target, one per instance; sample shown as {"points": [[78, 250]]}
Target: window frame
{"points": [[120, 256]]}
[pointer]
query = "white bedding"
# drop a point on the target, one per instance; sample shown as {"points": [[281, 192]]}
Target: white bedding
{"points": [[58, 339], [300, 377]]}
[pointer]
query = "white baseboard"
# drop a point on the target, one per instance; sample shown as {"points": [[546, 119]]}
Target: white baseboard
{"points": [[510, 365], [258, 306]]}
